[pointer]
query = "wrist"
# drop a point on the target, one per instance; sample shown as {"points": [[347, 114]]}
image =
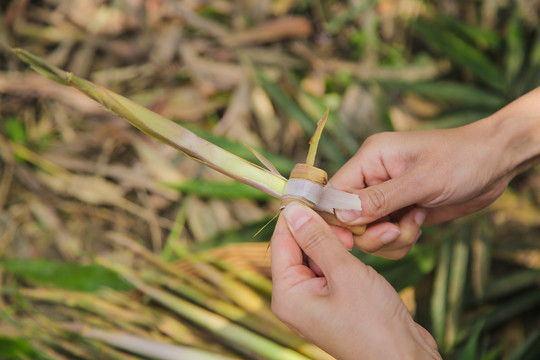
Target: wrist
{"points": [[518, 128], [513, 139], [520, 141]]}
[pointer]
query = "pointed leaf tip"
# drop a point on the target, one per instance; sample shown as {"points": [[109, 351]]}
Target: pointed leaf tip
{"points": [[42, 67], [314, 141], [264, 161]]}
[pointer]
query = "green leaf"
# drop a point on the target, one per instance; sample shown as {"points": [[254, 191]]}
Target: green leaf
{"points": [[283, 164], [481, 37], [445, 42], [339, 134], [472, 348], [405, 272], [351, 13], [15, 130], [12, 348], [42, 67], [383, 110], [455, 118], [214, 189], [293, 111], [285, 102], [456, 284], [515, 47], [511, 283], [262, 228], [439, 295], [70, 276], [516, 305], [528, 349], [530, 78], [450, 92]]}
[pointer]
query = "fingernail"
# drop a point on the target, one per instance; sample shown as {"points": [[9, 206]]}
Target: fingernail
{"points": [[348, 216], [417, 236], [296, 215], [420, 217], [390, 236]]}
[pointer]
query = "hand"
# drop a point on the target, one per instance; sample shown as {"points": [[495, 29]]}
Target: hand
{"points": [[350, 311], [412, 178]]}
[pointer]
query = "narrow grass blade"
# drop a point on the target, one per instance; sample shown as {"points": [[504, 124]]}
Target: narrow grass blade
{"points": [[16, 348], [512, 283], [444, 41], [264, 160], [440, 291], [482, 37], [145, 347], [450, 92], [282, 164], [528, 349], [455, 118], [215, 189], [515, 42], [234, 334], [165, 130], [293, 111], [314, 142], [456, 286], [71, 276]]}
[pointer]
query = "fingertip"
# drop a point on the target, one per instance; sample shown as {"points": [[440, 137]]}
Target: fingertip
{"points": [[390, 235], [419, 216], [296, 215], [411, 222], [344, 235], [281, 226], [377, 236], [285, 251], [349, 217]]}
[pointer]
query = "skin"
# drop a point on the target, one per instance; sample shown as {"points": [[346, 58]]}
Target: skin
{"points": [[404, 180], [349, 310], [409, 179]]}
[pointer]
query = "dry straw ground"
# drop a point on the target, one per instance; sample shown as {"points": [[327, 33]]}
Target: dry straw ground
{"points": [[110, 211]]}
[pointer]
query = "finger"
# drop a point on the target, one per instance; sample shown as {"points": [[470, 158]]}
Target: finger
{"points": [[377, 236], [316, 238], [344, 235], [383, 238], [315, 268], [385, 198], [409, 226], [350, 176], [285, 251]]}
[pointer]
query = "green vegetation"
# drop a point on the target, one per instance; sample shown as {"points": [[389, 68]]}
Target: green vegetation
{"points": [[109, 238]]}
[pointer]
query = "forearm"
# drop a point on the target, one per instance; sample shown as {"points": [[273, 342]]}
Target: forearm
{"points": [[514, 133]]}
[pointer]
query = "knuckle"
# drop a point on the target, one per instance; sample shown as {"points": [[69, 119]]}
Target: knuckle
{"points": [[315, 238], [369, 144], [376, 200], [375, 139]]}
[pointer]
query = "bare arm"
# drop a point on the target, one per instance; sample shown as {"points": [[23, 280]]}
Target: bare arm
{"points": [[406, 179]]}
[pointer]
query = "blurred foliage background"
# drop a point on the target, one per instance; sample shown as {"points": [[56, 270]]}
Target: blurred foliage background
{"points": [[114, 246]]}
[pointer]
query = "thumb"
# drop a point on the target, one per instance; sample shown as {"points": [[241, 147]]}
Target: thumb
{"points": [[383, 199], [316, 238]]}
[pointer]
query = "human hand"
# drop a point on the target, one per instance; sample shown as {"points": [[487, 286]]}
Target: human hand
{"points": [[412, 178], [350, 311], [428, 176]]}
